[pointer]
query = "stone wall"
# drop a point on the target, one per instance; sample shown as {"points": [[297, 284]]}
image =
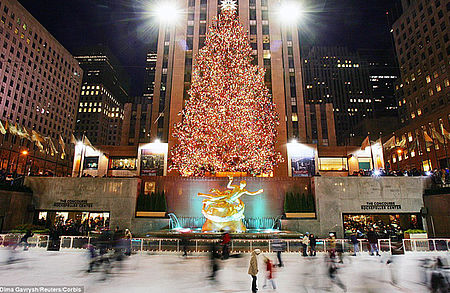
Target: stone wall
{"points": [[114, 195], [365, 195], [438, 214], [182, 200], [15, 209]]}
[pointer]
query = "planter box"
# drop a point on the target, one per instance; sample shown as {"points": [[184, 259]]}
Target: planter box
{"points": [[416, 236], [151, 214], [301, 215]]}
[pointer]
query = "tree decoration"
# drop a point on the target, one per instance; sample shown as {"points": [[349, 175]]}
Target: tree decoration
{"points": [[229, 121]]}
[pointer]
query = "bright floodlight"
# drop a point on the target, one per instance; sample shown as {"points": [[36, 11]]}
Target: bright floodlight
{"points": [[290, 12], [167, 11]]}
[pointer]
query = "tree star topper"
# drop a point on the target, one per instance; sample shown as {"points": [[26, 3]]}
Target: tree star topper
{"points": [[229, 5]]}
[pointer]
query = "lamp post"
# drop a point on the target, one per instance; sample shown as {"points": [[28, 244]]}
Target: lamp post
{"points": [[25, 153], [399, 152]]}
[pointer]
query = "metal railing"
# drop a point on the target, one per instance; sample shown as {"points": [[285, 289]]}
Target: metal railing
{"points": [[419, 245], [237, 245]]}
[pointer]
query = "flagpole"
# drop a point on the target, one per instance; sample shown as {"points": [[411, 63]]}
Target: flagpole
{"points": [[434, 150], [419, 160], [371, 153], [382, 152], [445, 145], [82, 156], [426, 150]]}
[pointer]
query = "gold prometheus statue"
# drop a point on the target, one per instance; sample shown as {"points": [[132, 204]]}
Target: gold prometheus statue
{"points": [[224, 210]]}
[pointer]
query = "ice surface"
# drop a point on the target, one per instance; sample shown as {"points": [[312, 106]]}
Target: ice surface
{"points": [[167, 273]]}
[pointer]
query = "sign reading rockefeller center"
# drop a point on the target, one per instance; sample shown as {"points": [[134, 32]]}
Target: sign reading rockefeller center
{"points": [[73, 203], [383, 205]]}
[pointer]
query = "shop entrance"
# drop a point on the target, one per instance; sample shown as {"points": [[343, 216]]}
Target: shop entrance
{"points": [[73, 222], [386, 225]]}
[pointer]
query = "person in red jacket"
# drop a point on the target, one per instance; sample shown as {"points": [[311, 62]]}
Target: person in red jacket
{"points": [[226, 239], [269, 273]]}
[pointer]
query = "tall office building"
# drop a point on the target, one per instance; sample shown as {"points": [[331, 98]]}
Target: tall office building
{"points": [[137, 122], [149, 80], [383, 74], [103, 94], [276, 48], [39, 89], [336, 75], [422, 43]]}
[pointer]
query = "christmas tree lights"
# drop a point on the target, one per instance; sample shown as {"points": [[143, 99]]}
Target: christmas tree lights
{"points": [[229, 122]]}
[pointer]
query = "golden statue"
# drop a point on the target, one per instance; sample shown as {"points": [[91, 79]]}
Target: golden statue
{"points": [[224, 210]]}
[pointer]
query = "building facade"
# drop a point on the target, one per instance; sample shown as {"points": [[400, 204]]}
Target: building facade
{"points": [[149, 80], [276, 48], [39, 90], [340, 77], [422, 43], [103, 95], [137, 121], [383, 73]]}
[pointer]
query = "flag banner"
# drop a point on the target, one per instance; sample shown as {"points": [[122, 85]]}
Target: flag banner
{"points": [[13, 129], [445, 133], [2, 128], [390, 143], [51, 147], [437, 136], [427, 138], [63, 147], [87, 142], [365, 143], [402, 143], [22, 132], [413, 145], [73, 139], [38, 140]]}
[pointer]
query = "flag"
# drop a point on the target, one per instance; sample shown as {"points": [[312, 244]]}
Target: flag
{"points": [[402, 143], [365, 143], [87, 142], [22, 132], [437, 136], [427, 138], [13, 129], [63, 147], [445, 133], [390, 143], [413, 145], [2, 128], [51, 146], [38, 140], [73, 139]]}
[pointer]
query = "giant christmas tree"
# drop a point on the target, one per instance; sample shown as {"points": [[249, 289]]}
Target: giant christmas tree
{"points": [[229, 122]]}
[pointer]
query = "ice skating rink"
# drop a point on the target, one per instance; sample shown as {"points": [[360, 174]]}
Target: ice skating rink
{"points": [[166, 273]]}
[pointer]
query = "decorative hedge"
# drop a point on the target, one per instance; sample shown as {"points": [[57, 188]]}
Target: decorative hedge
{"points": [[154, 202], [299, 203]]}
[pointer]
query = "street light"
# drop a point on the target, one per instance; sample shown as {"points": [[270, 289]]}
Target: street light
{"points": [[167, 11], [290, 12], [399, 152]]}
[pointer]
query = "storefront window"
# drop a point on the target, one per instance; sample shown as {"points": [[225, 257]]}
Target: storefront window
{"points": [[385, 225], [73, 222], [123, 164], [91, 163], [333, 164]]}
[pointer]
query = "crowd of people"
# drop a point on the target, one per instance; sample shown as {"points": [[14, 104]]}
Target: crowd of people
{"points": [[77, 227], [391, 230], [439, 176]]}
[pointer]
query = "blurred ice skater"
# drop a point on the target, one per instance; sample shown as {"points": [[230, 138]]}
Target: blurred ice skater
{"points": [[269, 273], [253, 269]]}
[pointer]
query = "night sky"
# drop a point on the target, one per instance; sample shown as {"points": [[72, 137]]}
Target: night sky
{"points": [[127, 28]]}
